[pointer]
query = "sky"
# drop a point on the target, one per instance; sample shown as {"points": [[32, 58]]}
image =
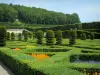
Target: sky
{"points": [[88, 10]]}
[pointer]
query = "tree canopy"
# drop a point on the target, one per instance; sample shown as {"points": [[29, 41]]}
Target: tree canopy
{"points": [[33, 15]]}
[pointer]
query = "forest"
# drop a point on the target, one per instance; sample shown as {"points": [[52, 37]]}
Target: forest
{"points": [[33, 15]]}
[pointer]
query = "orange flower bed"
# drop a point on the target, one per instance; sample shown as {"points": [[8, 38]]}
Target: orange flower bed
{"points": [[17, 49], [40, 56]]}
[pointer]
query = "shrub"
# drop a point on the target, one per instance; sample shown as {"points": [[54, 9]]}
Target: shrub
{"points": [[12, 36], [33, 35], [3, 33], [92, 36], [25, 36], [73, 36], [8, 35], [19, 36], [30, 34], [79, 32], [39, 36], [58, 37], [50, 37], [85, 57], [83, 36], [88, 36]]}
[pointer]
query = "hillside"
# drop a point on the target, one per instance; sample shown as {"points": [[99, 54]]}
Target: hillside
{"points": [[33, 15]]}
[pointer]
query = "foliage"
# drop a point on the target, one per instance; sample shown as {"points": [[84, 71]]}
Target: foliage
{"points": [[8, 13], [30, 34], [91, 25], [85, 57], [58, 37], [13, 36], [8, 35], [39, 35], [25, 36], [50, 37], [32, 15], [73, 36], [3, 33], [83, 36], [19, 36], [88, 36], [92, 36]]}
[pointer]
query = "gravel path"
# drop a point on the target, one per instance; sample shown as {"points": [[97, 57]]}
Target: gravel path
{"points": [[4, 70]]}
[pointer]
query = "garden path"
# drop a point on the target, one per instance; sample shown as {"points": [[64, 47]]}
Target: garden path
{"points": [[4, 70]]}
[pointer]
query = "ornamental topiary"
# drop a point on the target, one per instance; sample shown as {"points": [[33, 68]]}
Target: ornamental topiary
{"points": [[92, 36], [59, 37], [19, 36], [3, 33], [8, 35], [50, 37], [73, 36], [83, 36], [13, 36], [39, 36], [25, 36]]}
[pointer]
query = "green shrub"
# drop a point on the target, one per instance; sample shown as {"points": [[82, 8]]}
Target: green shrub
{"points": [[92, 36], [30, 35], [85, 57], [17, 64], [50, 37], [19, 36], [73, 36], [3, 33], [8, 35], [58, 37], [79, 32], [39, 36], [33, 36], [25, 36], [88, 36], [13, 36], [83, 36]]}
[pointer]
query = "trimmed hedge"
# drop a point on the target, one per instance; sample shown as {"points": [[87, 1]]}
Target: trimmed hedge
{"points": [[90, 51], [53, 50], [85, 57], [18, 65], [3, 34]]}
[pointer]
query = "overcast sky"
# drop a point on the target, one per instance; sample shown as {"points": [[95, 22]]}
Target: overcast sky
{"points": [[88, 10]]}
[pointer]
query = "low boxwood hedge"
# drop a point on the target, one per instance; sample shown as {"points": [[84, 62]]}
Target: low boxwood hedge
{"points": [[18, 64], [85, 57]]}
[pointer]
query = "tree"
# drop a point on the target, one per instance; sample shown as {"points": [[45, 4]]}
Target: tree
{"points": [[50, 37], [8, 35], [13, 36], [3, 32], [59, 37], [83, 36], [33, 15], [73, 36], [39, 36], [19, 36]]}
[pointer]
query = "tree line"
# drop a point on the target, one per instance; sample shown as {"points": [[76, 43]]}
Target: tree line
{"points": [[33, 15]]}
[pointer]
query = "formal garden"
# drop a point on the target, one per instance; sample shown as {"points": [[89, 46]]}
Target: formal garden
{"points": [[37, 41], [55, 53]]}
